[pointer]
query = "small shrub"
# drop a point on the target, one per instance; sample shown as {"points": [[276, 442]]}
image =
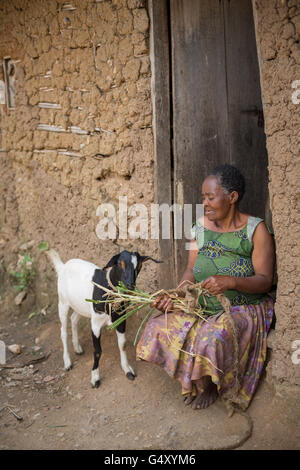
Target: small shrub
{"points": [[39, 314], [43, 246], [24, 275]]}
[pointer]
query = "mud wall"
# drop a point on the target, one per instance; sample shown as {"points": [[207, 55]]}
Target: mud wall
{"points": [[80, 133], [278, 35]]}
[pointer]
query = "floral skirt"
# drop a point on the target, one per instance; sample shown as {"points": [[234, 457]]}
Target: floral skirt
{"points": [[189, 348]]}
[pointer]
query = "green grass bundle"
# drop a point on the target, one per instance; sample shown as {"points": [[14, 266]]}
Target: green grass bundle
{"points": [[128, 302]]}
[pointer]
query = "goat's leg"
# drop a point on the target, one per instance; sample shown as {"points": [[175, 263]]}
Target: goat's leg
{"points": [[121, 343], [97, 322], [74, 320], [63, 315]]}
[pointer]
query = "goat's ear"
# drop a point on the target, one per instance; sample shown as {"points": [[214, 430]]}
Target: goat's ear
{"points": [[112, 262]]}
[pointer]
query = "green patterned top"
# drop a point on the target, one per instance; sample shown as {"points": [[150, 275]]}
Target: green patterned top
{"points": [[228, 254]]}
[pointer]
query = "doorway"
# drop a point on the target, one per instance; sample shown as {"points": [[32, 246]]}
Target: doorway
{"points": [[212, 106]]}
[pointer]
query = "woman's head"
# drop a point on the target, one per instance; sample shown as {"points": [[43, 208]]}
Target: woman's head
{"points": [[222, 190], [230, 179]]}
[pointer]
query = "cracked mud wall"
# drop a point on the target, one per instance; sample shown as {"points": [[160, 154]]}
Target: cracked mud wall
{"points": [[80, 133], [278, 34]]}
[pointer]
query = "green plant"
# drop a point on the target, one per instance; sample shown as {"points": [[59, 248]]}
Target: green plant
{"points": [[25, 274], [43, 246], [132, 301], [38, 314]]}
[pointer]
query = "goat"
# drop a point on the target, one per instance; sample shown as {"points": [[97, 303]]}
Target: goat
{"points": [[74, 285]]}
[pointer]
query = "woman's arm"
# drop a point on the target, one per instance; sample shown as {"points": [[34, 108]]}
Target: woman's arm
{"points": [[164, 302], [263, 260]]}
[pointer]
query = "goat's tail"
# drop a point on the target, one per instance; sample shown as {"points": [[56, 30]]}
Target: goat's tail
{"points": [[55, 258]]}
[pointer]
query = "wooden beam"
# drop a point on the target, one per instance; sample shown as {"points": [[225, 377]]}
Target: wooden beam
{"points": [[160, 84]]}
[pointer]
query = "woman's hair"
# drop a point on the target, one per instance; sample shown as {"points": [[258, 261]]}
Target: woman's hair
{"points": [[230, 179]]}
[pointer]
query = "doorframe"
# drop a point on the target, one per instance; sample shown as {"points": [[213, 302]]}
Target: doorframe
{"points": [[268, 212], [161, 86], [161, 119]]}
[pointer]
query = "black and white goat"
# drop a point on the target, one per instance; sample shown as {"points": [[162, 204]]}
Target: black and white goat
{"points": [[75, 285]]}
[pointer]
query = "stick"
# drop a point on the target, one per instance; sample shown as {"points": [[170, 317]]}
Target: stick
{"points": [[19, 418], [182, 350], [140, 327], [28, 363]]}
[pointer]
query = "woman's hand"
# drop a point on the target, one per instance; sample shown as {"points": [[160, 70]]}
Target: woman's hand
{"points": [[162, 303], [218, 284]]}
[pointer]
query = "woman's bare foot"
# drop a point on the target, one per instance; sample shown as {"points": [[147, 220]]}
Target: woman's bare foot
{"points": [[204, 398], [188, 399]]}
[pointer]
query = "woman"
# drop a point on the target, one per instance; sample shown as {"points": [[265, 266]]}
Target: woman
{"points": [[233, 254]]}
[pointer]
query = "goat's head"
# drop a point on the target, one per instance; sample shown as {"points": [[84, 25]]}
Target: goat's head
{"points": [[127, 267]]}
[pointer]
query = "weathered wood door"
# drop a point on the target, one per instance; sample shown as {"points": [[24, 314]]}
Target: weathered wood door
{"points": [[216, 102]]}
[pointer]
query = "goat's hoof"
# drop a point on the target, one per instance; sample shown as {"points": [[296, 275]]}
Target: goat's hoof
{"points": [[77, 348], [96, 384], [130, 376], [69, 367], [79, 352]]}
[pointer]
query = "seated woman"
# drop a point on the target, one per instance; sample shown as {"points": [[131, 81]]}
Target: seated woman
{"points": [[233, 254]]}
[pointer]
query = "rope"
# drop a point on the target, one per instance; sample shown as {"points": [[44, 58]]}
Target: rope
{"points": [[182, 350], [107, 295], [190, 294], [240, 439], [109, 281], [187, 299]]}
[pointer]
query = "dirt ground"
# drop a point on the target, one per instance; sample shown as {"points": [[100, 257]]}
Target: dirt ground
{"points": [[60, 410]]}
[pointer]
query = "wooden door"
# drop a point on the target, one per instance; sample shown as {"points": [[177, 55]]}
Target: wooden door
{"points": [[217, 111]]}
